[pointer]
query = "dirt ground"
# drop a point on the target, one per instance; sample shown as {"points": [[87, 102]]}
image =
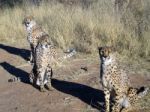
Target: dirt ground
{"points": [[75, 89]]}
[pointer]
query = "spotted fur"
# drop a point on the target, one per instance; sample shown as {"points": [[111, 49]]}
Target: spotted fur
{"points": [[128, 102], [113, 78], [41, 73], [34, 33], [45, 58], [43, 54]]}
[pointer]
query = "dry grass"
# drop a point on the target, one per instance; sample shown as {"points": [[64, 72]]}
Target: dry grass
{"points": [[85, 28], [82, 28]]}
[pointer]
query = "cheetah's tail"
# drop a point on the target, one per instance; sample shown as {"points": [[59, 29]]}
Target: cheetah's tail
{"points": [[72, 53], [142, 91]]}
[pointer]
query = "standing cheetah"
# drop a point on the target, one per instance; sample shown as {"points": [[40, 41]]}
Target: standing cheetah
{"points": [[34, 33], [114, 79]]}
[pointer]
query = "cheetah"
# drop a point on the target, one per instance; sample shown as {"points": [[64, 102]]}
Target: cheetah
{"points": [[130, 99], [34, 33], [41, 73], [45, 57], [113, 79]]}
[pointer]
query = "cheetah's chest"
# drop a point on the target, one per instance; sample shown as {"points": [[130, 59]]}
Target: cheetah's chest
{"points": [[106, 77], [44, 55]]}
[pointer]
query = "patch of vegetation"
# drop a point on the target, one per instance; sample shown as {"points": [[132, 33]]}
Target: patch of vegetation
{"points": [[83, 28]]}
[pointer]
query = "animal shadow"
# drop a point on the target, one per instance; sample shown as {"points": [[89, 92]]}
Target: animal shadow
{"points": [[90, 96], [16, 72], [24, 53]]}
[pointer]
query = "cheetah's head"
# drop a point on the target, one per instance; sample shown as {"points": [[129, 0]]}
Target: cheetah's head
{"points": [[29, 21], [105, 52]]}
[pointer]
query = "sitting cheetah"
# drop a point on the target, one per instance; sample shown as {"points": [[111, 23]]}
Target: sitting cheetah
{"points": [[43, 54], [45, 58], [34, 33], [42, 72], [113, 78]]}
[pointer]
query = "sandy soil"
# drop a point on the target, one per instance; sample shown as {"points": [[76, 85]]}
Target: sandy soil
{"points": [[75, 89]]}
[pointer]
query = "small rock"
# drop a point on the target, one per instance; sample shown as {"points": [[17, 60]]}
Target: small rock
{"points": [[84, 68], [14, 79], [16, 108]]}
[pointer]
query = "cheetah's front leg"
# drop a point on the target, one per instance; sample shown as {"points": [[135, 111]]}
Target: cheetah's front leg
{"points": [[40, 79], [32, 53], [49, 73], [116, 107], [107, 99]]}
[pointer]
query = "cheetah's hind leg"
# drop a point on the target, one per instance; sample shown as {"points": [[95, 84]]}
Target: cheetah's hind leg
{"points": [[125, 110], [32, 53]]}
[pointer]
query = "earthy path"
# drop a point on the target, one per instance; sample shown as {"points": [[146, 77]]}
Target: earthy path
{"points": [[75, 89]]}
